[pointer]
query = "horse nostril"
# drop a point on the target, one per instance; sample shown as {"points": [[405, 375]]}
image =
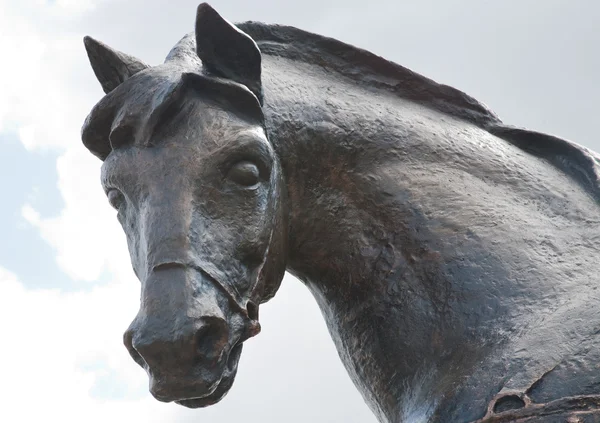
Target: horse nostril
{"points": [[252, 310], [128, 342], [210, 340]]}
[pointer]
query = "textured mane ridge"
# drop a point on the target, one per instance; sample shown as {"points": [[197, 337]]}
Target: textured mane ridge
{"points": [[368, 68], [365, 67]]}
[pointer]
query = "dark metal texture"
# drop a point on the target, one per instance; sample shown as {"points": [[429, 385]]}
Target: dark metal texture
{"points": [[455, 258]]}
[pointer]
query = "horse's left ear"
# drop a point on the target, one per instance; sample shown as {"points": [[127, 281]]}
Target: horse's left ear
{"points": [[226, 51]]}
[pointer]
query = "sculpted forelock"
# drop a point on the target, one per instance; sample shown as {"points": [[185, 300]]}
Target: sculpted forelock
{"points": [[455, 258]]}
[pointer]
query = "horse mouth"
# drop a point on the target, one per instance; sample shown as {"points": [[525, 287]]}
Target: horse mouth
{"points": [[222, 388]]}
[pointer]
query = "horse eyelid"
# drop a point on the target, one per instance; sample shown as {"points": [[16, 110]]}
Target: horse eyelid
{"points": [[117, 199], [258, 158]]}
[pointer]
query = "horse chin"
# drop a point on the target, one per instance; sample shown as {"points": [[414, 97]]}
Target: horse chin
{"points": [[222, 387]]}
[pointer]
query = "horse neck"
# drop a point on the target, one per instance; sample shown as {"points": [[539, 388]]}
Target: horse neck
{"points": [[344, 244], [406, 294]]}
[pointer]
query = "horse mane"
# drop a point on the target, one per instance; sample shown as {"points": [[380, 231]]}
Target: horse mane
{"points": [[366, 68]]}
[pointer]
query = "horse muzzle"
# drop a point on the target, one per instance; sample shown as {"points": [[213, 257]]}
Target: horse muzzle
{"points": [[185, 336]]}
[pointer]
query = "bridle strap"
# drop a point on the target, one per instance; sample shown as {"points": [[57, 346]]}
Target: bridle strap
{"points": [[222, 288], [569, 409]]}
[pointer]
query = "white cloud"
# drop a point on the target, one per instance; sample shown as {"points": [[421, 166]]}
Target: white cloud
{"points": [[44, 59], [48, 337], [85, 234]]}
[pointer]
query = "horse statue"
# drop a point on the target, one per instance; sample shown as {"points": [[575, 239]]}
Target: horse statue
{"points": [[455, 258]]}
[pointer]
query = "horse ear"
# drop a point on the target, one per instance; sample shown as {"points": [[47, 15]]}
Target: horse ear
{"points": [[226, 51], [111, 67]]}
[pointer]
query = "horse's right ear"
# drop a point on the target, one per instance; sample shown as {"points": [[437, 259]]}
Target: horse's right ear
{"points": [[111, 67], [226, 51]]}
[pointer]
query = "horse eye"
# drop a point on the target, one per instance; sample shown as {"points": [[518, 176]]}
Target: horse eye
{"points": [[115, 198], [244, 173]]}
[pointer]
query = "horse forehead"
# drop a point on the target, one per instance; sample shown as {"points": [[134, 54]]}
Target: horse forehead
{"points": [[201, 121], [147, 101], [184, 151]]}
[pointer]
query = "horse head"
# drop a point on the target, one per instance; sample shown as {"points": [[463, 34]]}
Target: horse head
{"points": [[200, 196]]}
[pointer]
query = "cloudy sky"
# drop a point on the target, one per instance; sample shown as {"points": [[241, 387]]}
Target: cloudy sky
{"points": [[67, 291]]}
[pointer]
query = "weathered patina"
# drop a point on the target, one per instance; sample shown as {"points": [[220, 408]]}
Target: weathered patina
{"points": [[455, 258]]}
